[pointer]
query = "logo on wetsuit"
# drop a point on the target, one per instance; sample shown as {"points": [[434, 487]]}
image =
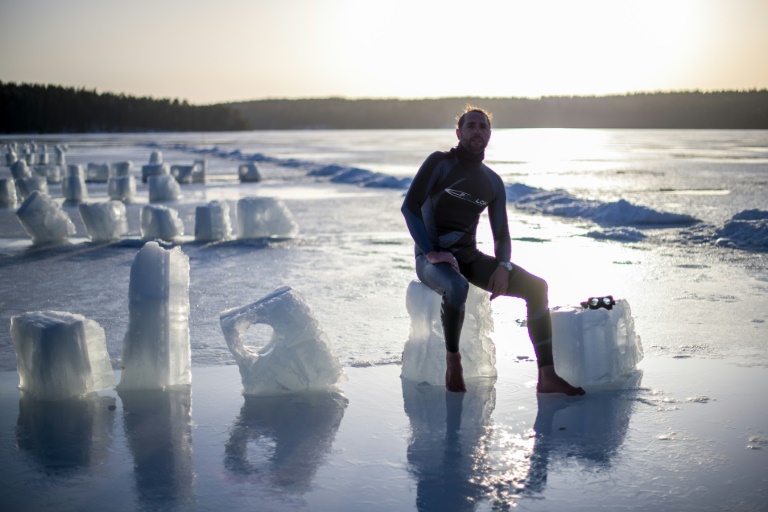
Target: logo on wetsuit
{"points": [[466, 196]]}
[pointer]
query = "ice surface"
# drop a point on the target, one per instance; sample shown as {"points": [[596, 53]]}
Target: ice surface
{"points": [[249, 172], [154, 170], [595, 348], [43, 219], [97, 173], [160, 222], [745, 230], [7, 193], [122, 188], [119, 169], [298, 357], [156, 350], [163, 188], [424, 352], [60, 355], [25, 186], [73, 189], [104, 221], [212, 222], [264, 217]]}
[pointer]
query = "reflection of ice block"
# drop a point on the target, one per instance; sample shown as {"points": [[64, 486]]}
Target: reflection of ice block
{"points": [[212, 222], [104, 221], [44, 219], [19, 169], [264, 217], [298, 357], [51, 173], [424, 352], [119, 169], [25, 186], [249, 172], [97, 173], [73, 189], [156, 349], [154, 170], [160, 222], [7, 193], [595, 347], [60, 355], [156, 157], [163, 188], [122, 188]]}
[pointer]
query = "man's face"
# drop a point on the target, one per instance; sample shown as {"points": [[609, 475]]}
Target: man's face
{"points": [[475, 133]]}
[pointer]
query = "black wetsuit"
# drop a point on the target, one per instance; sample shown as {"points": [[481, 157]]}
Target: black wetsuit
{"points": [[442, 210]]}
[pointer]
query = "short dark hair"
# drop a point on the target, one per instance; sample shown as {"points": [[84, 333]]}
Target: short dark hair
{"points": [[470, 108]]}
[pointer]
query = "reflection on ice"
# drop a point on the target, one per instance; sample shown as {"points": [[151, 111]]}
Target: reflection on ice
{"points": [[298, 357], [280, 442]]}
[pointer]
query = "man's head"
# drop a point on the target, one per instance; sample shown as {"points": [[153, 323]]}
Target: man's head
{"points": [[474, 129]]}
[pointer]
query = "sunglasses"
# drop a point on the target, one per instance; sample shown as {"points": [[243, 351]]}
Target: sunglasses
{"points": [[606, 302]]}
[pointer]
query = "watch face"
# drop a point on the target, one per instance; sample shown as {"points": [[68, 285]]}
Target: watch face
{"points": [[507, 265]]}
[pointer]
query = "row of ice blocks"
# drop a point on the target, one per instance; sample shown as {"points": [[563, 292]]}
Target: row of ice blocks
{"points": [[595, 348], [62, 355]]}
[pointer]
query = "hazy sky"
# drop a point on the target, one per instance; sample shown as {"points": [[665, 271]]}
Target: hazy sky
{"points": [[228, 50]]}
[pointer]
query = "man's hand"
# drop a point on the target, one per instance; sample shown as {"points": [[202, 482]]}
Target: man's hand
{"points": [[435, 257], [498, 282]]}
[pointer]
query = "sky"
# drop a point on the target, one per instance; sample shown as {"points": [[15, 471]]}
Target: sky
{"points": [[235, 50]]}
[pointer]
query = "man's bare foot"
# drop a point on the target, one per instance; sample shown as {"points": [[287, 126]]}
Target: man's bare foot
{"points": [[551, 382], [454, 373]]}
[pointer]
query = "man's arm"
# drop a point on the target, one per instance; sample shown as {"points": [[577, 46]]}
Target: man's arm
{"points": [[415, 198], [497, 214]]}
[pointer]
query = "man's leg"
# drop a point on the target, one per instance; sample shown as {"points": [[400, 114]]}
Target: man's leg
{"points": [[453, 289]]}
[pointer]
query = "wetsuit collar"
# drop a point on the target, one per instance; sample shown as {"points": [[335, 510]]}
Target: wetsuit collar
{"points": [[466, 157]]}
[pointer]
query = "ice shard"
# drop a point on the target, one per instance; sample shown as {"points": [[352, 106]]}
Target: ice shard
{"points": [[212, 222], [44, 219], [161, 222], [104, 221], [264, 217]]}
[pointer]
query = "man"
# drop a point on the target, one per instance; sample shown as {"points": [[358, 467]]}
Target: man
{"points": [[442, 209]]}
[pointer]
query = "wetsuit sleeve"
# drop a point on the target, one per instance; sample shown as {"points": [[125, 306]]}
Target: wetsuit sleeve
{"points": [[417, 195], [497, 214]]}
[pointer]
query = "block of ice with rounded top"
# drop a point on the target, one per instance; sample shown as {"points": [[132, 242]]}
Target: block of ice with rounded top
{"points": [[104, 221], [249, 172], [7, 193], [61, 154], [595, 348], [25, 186], [43, 219], [212, 222], [122, 168], [122, 188], [161, 222], [264, 217], [20, 169], [298, 357], [60, 355], [154, 170], [74, 170], [156, 351], [97, 172], [424, 352], [156, 157], [163, 188], [73, 189]]}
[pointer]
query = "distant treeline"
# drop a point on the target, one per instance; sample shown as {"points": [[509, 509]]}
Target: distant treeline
{"points": [[693, 109], [29, 108]]}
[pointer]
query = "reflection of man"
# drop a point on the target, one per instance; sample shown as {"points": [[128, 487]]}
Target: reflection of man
{"points": [[442, 209]]}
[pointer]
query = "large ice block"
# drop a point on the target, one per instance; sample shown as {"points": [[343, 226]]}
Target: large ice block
{"points": [[161, 222], [43, 219], [249, 172], [25, 186], [60, 355], [156, 157], [97, 173], [51, 173], [104, 221], [61, 154], [198, 173], [156, 351], [595, 348], [73, 189], [163, 188], [264, 217], [212, 222], [7, 193], [20, 169], [424, 352], [122, 188], [74, 170], [154, 170], [119, 169], [298, 357]]}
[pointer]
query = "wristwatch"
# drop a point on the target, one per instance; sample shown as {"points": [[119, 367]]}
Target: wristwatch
{"points": [[507, 265]]}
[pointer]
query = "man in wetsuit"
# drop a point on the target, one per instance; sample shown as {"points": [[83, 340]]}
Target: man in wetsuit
{"points": [[442, 209]]}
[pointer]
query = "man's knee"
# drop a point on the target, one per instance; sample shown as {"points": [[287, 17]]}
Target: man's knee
{"points": [[455, 295]]}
